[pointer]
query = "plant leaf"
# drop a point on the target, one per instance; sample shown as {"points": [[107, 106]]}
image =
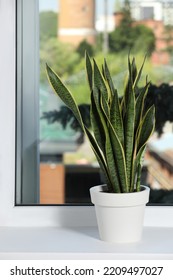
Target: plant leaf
{"points": [[128, 88], [102, 136], [61, 90], [133, 70], [136, 162], [89, 70], [65, 95], [138, 180], [100, 85], [140, 105], [146, 127], [118, 155], [99, 157], [138, 76], [97, 124], [115, 110], [129, 135]]}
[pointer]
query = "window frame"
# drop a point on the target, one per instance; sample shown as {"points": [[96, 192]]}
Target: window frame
{"points": [[27, 121], [34, 216]]}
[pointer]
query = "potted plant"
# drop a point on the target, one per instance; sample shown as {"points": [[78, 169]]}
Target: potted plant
{"points": [[120, 131]]}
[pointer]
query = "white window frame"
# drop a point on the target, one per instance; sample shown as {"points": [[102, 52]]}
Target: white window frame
{"points": [[11, 215]]}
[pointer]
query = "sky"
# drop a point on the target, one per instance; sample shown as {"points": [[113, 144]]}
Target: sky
{"points": [[53, 5]]}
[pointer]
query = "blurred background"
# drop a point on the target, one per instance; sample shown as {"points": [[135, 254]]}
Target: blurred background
{"points": [[105, 28]]}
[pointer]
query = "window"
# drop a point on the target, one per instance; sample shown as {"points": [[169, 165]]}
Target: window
{"points": [[146, 13], [54, 162], [31, 215]]}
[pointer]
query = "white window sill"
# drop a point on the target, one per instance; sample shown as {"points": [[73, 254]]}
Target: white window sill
{"points": [[81, 243]]}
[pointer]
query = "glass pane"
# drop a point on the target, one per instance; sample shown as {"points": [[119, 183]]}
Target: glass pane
{"points": [[105, 28], [67, 165]]}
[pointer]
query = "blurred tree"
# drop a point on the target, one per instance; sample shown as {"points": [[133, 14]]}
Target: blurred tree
{"points": [[60, 56], [121, 37], [85, 46], [168, 33], [118, 5], [162, 97], [65, 117], [48, 25], [127, 18], [130, 36], [144, 39]]}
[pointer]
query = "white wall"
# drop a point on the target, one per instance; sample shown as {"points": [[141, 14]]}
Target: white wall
{"points": [[7, 100]]}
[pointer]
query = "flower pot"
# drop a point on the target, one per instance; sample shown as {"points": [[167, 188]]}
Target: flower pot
{"points": [[119, 215]]}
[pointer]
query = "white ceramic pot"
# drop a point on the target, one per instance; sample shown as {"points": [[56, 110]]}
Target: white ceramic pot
{"points": [[119, 215]]}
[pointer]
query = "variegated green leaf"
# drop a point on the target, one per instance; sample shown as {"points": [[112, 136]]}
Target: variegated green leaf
{"points": [[108, 78], [136, 161], [103, 72], [112, 168], [146, 127], [118, 156], [65, 95], [89, 70], [115, 110], [118, 152], [133, 70], [116, 119], [104, 140], [99, 81], [97, 124], [67, 98], [140, 105], [139, 73], [128, 88], [100, 85], [129, 134], [138, 180], [100, 158], [130, 79]]}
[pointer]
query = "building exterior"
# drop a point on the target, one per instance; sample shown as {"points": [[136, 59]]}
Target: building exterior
{"points": [[100, 23], [158, 16], [77, 21], [162, 43], [159, 10]]}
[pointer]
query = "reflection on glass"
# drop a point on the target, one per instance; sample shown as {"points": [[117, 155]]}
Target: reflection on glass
{"points": [[68, 167]]}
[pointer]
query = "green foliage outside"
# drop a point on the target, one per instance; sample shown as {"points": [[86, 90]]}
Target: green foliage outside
{"points": [[135, 38], [59, 54], [70, 66], [48, 25], [69, 63], [129, 36], [83, 47]]}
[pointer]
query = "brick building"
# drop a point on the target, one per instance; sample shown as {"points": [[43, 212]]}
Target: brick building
{"points": [[162, 43], [156, 15], [77, 21]]}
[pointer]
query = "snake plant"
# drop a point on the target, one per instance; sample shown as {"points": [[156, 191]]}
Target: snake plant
{"points": [[120, 129]]}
